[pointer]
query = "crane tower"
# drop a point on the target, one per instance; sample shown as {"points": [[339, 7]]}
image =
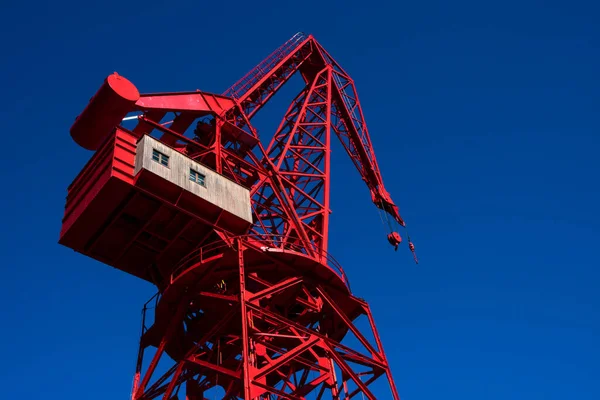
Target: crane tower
{"points": [[233, 232]]}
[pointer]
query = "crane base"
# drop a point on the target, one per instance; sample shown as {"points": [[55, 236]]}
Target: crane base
{"points": [[245, 322]]}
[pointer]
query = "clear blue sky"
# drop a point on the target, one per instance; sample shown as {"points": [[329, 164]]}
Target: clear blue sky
{"points": [[485, 120]]}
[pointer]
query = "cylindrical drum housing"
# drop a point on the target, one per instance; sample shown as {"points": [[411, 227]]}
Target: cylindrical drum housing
{"points": [[111, 103]]}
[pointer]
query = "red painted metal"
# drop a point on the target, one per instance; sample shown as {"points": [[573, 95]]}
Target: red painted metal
{"points": [[262, 310], [395, 239], [115, 98]]}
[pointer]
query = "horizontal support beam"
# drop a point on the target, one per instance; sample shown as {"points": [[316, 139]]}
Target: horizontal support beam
{"points": [[217, 368]]}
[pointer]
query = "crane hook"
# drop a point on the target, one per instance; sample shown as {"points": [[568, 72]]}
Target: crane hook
{"points": [[395, 239], [411, 246]]}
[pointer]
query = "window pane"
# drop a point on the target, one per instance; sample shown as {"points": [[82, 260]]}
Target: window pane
{"points": [[197, 177], [159, 157]]}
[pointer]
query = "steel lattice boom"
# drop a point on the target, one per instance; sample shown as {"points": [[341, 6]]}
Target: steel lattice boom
{"points": [[182, 193]]}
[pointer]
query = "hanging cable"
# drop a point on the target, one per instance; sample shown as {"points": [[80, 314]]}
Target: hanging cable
{"points": [[387, 217], [393, 237]]}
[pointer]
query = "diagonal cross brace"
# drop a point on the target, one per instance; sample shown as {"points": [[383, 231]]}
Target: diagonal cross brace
{"points": [[374, 353]]}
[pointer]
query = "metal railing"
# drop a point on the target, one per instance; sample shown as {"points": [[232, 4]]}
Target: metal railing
{"points": [[258, 242], [258, 72]]}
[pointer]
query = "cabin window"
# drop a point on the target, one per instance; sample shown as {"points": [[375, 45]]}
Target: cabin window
{"points": [[197, 177], [160, 158]]}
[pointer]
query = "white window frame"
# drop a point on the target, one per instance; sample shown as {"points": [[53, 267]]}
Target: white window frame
{"points": [[197, 177], [160, 157]]}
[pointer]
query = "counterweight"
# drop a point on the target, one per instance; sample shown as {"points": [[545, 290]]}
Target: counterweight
{"points": [[233, 232]]}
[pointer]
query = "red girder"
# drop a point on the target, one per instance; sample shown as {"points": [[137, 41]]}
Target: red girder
{"points": [[259, 314], [295, 166], [267, 351]]}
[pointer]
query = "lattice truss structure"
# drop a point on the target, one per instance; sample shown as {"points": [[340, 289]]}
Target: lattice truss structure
{"points": [[262, 315], [267, 335], [289, 178]]}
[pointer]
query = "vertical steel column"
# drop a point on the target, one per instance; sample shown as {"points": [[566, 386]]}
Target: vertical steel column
{"points": [[327, 166], [218, 146], [244, 311]]}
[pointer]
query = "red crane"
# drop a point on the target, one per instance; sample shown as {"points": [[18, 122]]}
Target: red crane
{"points": [[233, 234]]}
